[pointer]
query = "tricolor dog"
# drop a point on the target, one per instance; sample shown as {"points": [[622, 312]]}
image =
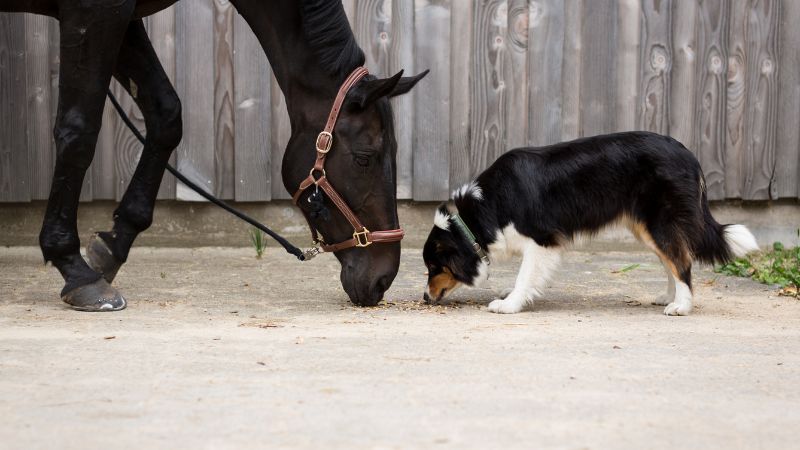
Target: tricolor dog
{"points": [[534, 201]]}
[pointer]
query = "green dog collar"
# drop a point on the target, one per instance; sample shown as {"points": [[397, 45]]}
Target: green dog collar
{"points": [[471, 237]]}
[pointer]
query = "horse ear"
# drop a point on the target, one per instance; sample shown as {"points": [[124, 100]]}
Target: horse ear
{"points": [[406, 83], [368, 91]]}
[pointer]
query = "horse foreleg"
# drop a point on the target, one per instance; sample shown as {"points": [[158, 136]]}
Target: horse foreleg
{"points": [[139, 71], [90, 38]]}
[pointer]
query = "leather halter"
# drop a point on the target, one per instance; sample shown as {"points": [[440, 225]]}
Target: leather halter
{"points": [[362, 237]]}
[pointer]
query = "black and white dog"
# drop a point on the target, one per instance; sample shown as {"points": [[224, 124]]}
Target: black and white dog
{"points": [[534, 201]]}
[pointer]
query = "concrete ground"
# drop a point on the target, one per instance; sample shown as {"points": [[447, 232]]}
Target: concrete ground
{"points": [[220, 350]]}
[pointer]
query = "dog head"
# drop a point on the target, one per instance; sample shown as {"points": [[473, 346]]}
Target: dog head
{"points": [[450, 258]]}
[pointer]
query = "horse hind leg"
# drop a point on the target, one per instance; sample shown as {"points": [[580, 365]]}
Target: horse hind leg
{"points": [[141, 74], [90, 39]]}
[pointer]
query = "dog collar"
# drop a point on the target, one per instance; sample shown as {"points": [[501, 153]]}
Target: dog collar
{"points": [[471, 237]]}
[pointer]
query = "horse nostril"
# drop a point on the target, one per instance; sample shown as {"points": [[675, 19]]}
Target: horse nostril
{"points": [[426, 297]]}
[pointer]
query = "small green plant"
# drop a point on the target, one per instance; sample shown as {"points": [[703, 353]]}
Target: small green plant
{"points": [[779, 266], [258, 241]]}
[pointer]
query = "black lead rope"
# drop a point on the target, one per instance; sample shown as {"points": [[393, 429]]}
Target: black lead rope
{"points": [[278, 238]]}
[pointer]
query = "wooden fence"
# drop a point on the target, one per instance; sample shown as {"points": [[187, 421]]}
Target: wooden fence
{"points": [[722, 76]]}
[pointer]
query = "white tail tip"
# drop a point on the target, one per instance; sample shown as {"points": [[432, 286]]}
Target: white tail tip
{"points": [[740, 240]]}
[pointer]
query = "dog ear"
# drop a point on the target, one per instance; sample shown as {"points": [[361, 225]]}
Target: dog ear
{"points": [[367, 92]]}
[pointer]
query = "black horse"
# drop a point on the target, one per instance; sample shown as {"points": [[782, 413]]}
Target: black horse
{"points": [[311, 49]]}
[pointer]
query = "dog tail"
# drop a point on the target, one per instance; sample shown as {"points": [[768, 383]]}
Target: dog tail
{"points": [[719, 244]]}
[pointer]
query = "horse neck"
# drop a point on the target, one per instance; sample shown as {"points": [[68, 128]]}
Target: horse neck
{"points": [[277, 26]]}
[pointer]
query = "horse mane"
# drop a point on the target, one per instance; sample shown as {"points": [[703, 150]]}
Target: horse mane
{"points": [[327, 30]]}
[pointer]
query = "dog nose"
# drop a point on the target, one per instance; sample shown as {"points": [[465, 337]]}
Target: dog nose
{"points": [[426, 297]]}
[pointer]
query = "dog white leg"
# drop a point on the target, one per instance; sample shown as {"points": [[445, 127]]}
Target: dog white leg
{"points": [[538, 264], [682, 305], [669, 296]]}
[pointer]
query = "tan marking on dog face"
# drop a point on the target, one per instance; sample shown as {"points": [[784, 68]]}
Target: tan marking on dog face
{"points": [[442, 284]]}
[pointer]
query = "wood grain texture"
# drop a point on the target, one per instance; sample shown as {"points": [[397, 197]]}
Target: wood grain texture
{"points": [[632, 38], [711, 94], [161, 29], [14, 166], [599, 69], [758, 162], [656, 66], [546, 33], [787, 151], [432, 111], [721, 76], [280, 133], [373, 30], [684, 72], [39, 121], [516, 82], [571, 71], [460, 100], [489, 75], [223, 99], [194, 53], [736, 140], [401, 57], [252, 122]]}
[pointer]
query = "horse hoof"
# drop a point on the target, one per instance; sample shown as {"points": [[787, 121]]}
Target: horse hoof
{"points": [[101, 259], [96, 297]]}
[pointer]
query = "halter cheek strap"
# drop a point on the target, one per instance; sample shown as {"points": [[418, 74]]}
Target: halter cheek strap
{"points": [[362, 237]]}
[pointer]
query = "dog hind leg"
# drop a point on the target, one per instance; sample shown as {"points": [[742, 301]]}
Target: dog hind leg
{"points": [[538, 265]]}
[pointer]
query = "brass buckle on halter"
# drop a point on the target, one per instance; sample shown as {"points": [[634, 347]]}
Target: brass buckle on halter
{"points": [[328, 144], [362, 238]]}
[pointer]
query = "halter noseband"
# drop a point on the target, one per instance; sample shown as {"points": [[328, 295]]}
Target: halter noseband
{"points": [[362, 237]]}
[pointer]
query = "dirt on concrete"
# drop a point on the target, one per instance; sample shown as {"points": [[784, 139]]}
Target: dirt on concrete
{"points": [[220, 350]]}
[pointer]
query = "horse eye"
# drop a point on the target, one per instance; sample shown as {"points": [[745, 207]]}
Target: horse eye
{"points": [[362, 160]]}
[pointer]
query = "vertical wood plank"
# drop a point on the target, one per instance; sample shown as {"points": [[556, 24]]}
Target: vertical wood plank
{"points": [[598, 86], [571, 70], [630, 34], [656, 64], [126, 149], [489, 75], [104, 179], [710, 97], [223, 99], [194, 50], [432, 97], [14, 168], [787, 152], [373, 31], [280, 134], [516, 85], [460, 101], [546, 34], [401, 57], [161, 29], [736, 139], [252, 117], [39, 121], [684, 70], [758, 164]]}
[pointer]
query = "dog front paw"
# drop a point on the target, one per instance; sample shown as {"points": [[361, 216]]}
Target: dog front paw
{"points": [[678, 309], [501, 306]]}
